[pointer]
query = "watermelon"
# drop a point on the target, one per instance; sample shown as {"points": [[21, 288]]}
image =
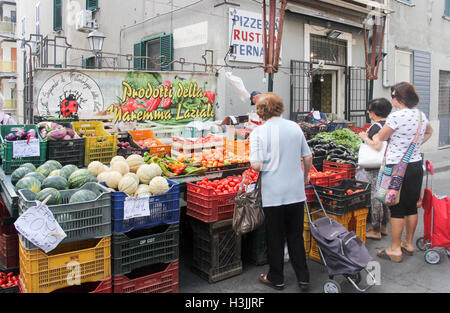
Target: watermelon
{"points": [[37, 175], [29, 165], [19, 173], [44, 169], [54, 200], [80, 177], [55, 173], [67, 170], [83, 196], [57, 182], [30, 183], [54, 164]]}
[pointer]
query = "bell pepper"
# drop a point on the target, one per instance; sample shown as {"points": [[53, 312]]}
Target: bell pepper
{"points": [[211, 96], [180, 170]]}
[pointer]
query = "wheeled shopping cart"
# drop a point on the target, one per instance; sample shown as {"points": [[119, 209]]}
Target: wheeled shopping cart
{"points": [[341, 251], [436, 220]]}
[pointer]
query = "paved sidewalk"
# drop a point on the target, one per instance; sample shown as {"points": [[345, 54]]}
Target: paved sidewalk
{"points": [[440, 159]]}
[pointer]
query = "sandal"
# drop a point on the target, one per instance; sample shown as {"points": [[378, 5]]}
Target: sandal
{"points": [[373, 235], [263, 279], [386, 233], [393, 258], [407, 252]]}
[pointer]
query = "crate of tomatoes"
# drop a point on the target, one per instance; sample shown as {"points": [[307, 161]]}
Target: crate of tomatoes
{"points": [[211, 201], [9, 282], [325, 179]]}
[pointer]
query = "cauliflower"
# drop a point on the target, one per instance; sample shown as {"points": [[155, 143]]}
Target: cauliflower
{"points": [[159, 185]]}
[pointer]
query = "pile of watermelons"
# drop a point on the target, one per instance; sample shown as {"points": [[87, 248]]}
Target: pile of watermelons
{"points": [[51, 178]]}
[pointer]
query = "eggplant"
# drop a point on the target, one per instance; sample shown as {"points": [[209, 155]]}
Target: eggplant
{"points": [[319, 152], [11, 137], [32, 134], [70, 132], [57, 134], [21, 135]]}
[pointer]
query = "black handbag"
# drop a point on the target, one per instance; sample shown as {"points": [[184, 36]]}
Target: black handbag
{"points": [[248, 211]]}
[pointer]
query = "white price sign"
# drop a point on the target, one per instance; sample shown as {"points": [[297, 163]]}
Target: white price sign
{"points": [[136, 207], [39, 226], [26, 148]]}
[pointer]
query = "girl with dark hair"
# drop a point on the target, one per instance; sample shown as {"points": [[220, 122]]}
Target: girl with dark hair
{"points": [[400, 129], [379, 109]]}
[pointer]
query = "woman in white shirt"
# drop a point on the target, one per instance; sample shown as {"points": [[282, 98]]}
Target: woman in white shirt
{"points": [[277, 148], [400, 129]]}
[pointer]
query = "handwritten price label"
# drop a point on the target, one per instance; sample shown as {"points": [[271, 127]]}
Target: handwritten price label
{"points": [[23, 149], [39, 226], [136, 207]]}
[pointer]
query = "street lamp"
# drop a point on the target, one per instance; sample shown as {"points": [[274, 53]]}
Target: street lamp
{"points": [[96, 39]]}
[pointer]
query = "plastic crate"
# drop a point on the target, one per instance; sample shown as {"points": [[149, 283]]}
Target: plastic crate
{"points": [[359, 223], [133, 149], [318, 162], [335, 199], [44, 273], [99, 144], [67, 151], [156, 278], [9, 164], [216, 250], [144, 247], [104, 286], [80, 221], [6, 221], [307, 241], [9, 250], [254, 247], [13, 289], [348, 169], [37, 119], [159, 149], [164, 209]]}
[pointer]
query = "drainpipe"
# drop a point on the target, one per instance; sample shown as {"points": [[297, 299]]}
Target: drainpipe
{"points": [[386, 81]]}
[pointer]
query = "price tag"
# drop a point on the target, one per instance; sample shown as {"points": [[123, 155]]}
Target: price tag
{"points": [[25, 148], [136, 207], [39, 226], [234, 120]]}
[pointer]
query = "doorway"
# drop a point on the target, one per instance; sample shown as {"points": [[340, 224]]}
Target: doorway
{"points": [[324, 92]]}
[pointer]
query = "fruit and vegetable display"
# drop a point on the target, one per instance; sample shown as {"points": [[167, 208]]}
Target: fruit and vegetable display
{"points": [[8, 280], [171, 167], [148, 143], [132, 175], [229, 184], [55, 132], [342, 137], [333, 152], [21, 134]]}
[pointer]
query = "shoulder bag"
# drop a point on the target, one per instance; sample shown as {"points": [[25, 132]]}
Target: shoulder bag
{"points": [[369, 157], [248, 212], [390, 177]]}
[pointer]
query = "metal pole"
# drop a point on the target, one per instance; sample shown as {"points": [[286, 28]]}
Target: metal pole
{"points": [[270, 87]]}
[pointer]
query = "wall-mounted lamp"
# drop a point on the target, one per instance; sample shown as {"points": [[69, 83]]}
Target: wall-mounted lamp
{"points": [[334, 34]]}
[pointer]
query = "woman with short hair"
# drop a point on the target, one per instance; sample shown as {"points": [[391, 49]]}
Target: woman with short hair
{"points": [[277, 148], [400, 129], [379, 109]]}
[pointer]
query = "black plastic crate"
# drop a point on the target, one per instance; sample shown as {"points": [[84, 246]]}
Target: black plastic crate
{"points": [[318, 162], [145, 246], [37, 119], [15, 271], [254, 247], [67, 151], [133, 149], [336, 200], [216, 250]]}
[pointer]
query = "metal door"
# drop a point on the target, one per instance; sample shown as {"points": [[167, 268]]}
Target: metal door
{"points": [[301, 91], [357, 96], [444, 108]]}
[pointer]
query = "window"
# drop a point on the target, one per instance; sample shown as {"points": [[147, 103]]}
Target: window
{"points": [[13, 16], [57, 15], [91, 62], [332, 51], [159, 48], [403, 62], [406, 1], [91, 4], [447, 9]]}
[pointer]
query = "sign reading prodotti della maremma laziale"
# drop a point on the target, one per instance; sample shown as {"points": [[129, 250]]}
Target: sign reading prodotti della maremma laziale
{"points": [[163, 98]]}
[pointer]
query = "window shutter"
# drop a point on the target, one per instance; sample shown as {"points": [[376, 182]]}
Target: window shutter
{"points": [[91, 4], [447, 8], [166, 50], [139, 51], [57, 14]]}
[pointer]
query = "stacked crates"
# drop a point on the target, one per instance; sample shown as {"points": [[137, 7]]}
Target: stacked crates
{"points": [[9, 240], [145, 250], [83, 257]]}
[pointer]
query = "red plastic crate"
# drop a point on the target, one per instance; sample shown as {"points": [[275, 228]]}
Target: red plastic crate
{"points": [[348, 169], [6, 222], [90, 287], [9, 250], [210, 215], [145, 280]]}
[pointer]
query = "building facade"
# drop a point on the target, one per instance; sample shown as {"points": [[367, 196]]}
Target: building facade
{"points": [[322, 53]]}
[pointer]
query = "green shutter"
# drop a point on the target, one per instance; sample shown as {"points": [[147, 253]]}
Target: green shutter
{"points": [[57, 14], [139, 51], [447, 8], [91, 4], [166, 50]]}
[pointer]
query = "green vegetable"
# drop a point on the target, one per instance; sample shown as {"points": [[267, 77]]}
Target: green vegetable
{"points": [[343, 137]]}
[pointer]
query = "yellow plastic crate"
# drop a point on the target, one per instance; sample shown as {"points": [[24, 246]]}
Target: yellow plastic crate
{"points": [[99, 145], [44, 273], [359, 223], [307, 240]]}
